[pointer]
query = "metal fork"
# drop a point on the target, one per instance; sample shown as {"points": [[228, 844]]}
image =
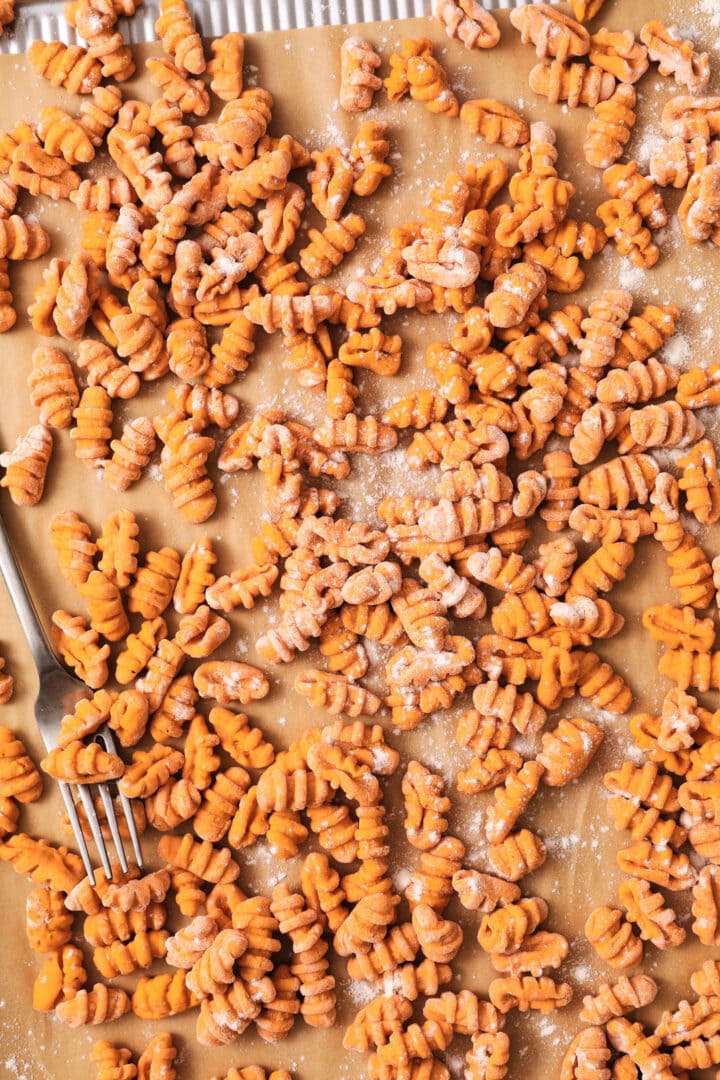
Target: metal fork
{"points": [[58, 694]]}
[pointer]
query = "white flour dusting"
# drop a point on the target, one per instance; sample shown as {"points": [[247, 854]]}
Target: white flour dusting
{"points": [[711, 8], [651, 141], [13, 1066], [631, 277], [676, 351]]}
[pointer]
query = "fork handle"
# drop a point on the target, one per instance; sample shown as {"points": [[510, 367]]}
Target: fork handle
{"points": [[42, 654]]}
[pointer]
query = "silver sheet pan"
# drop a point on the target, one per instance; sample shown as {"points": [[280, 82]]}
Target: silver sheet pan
{"points": [[44, 18]]}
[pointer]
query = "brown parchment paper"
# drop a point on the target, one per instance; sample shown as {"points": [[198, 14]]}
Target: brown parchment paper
{"points": [[300, 69]]}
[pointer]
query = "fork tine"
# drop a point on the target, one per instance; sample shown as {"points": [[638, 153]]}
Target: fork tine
{"points": [[113, 825], [92, 819], [130, 819], [77, 829], [105, 735]]}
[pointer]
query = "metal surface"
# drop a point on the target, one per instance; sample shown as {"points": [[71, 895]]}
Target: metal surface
{"points": [[58, 694], [44, 18]]}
